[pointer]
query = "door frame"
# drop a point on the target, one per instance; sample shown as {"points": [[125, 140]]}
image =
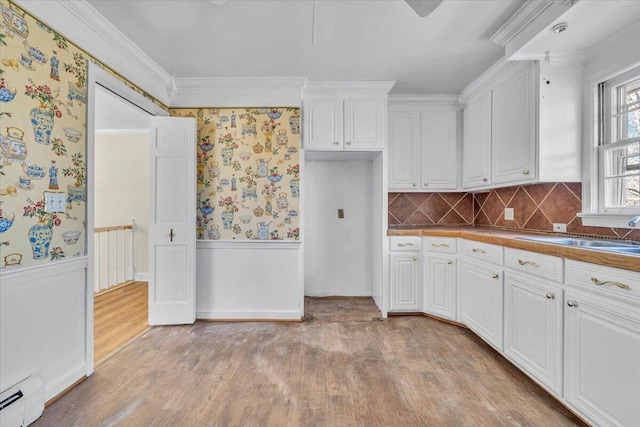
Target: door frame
{"points": [[97, 76]]}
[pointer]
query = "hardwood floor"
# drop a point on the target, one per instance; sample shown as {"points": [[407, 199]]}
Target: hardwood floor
{"points": [[120, 315], [402, 371]]}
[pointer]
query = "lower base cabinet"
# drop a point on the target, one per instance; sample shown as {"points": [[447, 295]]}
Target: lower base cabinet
{"points": [[602, 359], [533, 333], [481, 302], [405, 277], [440, 285]]}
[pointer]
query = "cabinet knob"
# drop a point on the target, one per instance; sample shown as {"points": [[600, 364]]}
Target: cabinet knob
{"points": [[495, 276], [348, 142], [415, 259], [336, 143], [525, 172], [415, 185], [550, 295], [449, 262], [484, 180], [426, 184], [572, 303]]}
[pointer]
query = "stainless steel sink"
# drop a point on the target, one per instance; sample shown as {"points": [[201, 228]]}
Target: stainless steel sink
{"points": [[619, 246]]}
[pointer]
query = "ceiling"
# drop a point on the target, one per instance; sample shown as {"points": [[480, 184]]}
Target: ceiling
{"points": [[322, 40]]}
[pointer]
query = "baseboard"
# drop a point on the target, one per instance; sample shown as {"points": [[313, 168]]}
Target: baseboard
{"points": [[141, 277], [67, 381], [248, 315]]}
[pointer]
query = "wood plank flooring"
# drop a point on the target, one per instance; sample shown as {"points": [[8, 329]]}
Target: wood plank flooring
{"points": [[401, 371], [120, 315]]}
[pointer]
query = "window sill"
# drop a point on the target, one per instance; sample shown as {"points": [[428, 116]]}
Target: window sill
{"points": [[606, 220]]}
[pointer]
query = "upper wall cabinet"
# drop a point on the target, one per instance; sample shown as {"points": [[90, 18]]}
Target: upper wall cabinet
{"points": [[522, 125], [423, 147], [343, 116]]}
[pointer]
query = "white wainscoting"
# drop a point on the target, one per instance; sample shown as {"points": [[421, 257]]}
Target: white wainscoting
{"points": [[249, 280], [42, 324]]}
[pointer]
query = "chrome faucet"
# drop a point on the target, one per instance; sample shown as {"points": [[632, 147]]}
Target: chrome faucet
{"points": [[634, 221]]}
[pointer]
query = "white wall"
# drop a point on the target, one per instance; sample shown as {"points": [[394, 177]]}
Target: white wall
{"points": [[42, 318], [249, 280], [338, 252], [122, 188]]}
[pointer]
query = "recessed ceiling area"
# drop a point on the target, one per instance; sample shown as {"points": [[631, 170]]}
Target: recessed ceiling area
{"points": [[322, 40]]}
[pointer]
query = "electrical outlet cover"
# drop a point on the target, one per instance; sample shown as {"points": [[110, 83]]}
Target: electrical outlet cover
{"points": [[560, 228], [508, 214]]}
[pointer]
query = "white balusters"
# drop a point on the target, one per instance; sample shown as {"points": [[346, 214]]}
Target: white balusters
{"points": [[114, 256]]}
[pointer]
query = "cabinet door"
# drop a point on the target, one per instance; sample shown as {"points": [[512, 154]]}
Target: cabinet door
{"points": [[533, 328], [322, 125], [476, 152], [513, 158], [440, 286], [602, 359], [404, 150], [439, 151], [405, 276], [363, 124], [481, 300]]}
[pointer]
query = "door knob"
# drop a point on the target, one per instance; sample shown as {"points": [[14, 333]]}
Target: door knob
{"points": [[171, 234]]}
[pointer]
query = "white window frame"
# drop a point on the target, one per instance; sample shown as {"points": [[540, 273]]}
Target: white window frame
{"points": [[609, 66]]}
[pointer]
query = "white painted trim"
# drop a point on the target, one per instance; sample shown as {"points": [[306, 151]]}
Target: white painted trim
{"points": [[63, 382], [14, 276], [248, 245], [122, 132], [238, 91], [141, 277], [606, 220], [347, 86], [519, 21], [420, 100], [486, 79], [248, 315], [82, 25]]}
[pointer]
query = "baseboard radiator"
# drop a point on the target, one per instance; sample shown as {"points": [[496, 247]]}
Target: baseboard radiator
{"points": [[23, 403]]}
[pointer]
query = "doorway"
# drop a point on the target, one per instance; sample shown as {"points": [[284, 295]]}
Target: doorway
{"points": [[121, 222]]}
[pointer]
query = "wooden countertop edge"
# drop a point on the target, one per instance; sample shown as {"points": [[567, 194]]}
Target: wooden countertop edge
{"points": [[510, 239]]}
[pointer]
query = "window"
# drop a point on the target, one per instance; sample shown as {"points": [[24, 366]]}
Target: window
{"points": [[619, 144]]}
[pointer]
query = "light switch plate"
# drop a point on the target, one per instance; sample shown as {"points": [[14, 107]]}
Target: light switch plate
{"points": [[340, 213], [508, 214], [54, 201], [560, 228]]}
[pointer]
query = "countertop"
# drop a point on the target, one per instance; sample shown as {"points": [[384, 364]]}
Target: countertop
{"points": [[510, 239]]}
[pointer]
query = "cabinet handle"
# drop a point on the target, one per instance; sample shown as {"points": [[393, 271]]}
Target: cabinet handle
{"points": [[531, 263], [484, 180], [348, 142], [171, 234], [525, 172], [549, 295], [426, 184], [415, 185], [572, 303], [481, 251], [405, 244], [495, 276], [336, 143], [440, 245], [610, 282], [449, 262]]}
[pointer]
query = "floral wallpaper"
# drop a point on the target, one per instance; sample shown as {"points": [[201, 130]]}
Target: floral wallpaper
{"points": [[248, 173], [43, 97]]}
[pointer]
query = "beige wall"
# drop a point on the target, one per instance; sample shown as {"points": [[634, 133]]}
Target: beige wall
{"points": [[122, 187]]}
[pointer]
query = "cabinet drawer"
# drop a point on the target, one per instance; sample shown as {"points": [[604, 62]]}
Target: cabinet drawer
{"points": [[549, 267], [482, 251], [405, 243], [441, 245], [613, 282]]}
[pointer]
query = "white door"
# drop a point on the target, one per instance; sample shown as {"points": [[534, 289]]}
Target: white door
{"points": [[439, 151], [404, 154], [363, 124], [323, 125], [172, 228], [476, 151]]}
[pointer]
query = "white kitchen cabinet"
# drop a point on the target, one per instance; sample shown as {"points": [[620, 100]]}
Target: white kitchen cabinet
{"points": [[533, 314], [522, 119], [344, 124], [481, 299], [476, 151], [423, 147], [602, 359], [440, 278], [405, 276]]}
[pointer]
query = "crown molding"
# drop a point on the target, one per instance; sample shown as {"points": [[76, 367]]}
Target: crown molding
{"points": [[322, 87], [237, 91], [519, 21], [488, 77], [427, 99], [625, 35], [82, 25]]}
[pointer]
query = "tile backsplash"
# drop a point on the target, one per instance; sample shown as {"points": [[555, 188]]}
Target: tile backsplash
{"points": [[536, 208]]}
